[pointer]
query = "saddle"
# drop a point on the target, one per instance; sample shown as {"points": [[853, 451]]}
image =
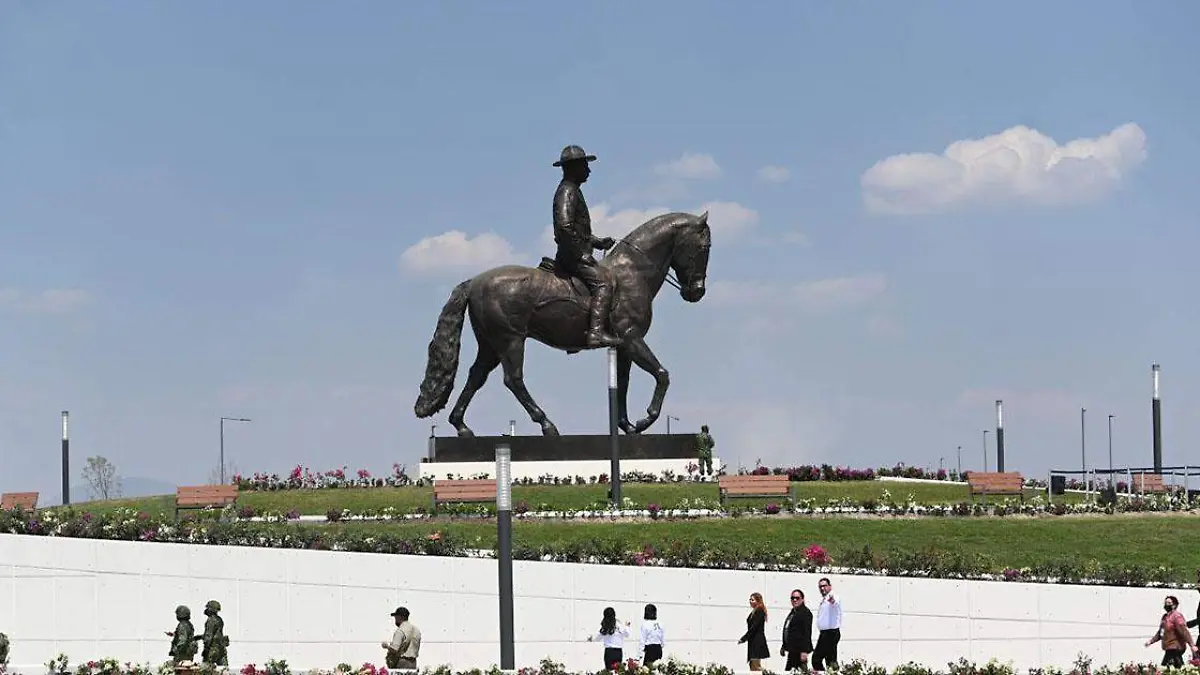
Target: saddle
{"points": [[576, 284]]}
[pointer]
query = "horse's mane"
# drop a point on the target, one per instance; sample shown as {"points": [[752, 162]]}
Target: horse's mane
{"points": [[673, 220]]}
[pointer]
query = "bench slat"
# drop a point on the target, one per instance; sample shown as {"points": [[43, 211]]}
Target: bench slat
{"points": [[26, 500], [468, 490]]}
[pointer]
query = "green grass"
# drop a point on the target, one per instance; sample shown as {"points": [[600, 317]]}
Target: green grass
{"points": [[1134, 539], [319, 502]]}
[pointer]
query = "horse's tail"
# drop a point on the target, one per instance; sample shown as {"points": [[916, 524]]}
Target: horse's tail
{"points": [[443, 354]]}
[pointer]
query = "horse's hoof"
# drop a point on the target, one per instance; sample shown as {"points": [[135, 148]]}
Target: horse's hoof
{"points": [[548, 429], [627, 427], [466, 433]]}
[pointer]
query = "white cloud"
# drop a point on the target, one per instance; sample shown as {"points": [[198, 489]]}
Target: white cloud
{"points": [[690, 166], [455, 253], [1017, 165], [819, 295], [774, 174], [725, 218], [50, 301]]}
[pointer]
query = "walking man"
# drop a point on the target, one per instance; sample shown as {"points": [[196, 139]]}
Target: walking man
{"points": [[405, 645], [704, 449], [797, 633], [829, 627], [573, 235]]}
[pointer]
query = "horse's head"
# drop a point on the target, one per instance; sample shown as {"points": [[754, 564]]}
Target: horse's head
{"points": [[689, 259]]}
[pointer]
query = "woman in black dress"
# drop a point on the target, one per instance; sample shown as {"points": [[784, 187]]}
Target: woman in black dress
{"points": [[756, 636]]}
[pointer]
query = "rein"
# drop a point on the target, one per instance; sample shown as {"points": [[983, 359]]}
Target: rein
{"points": [[670, 277]]}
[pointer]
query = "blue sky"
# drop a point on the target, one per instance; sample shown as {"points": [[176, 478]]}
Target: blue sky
{"points": [[206, 210]]}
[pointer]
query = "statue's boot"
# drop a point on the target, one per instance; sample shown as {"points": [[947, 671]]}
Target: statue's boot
{"points": [[598, 335]]}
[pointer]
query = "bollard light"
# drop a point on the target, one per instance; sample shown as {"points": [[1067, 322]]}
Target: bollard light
{"points": [[504, 554]]}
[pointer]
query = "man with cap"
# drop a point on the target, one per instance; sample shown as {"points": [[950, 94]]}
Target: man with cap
{"points": [[405, 645], [573, 235], [215, 643]]}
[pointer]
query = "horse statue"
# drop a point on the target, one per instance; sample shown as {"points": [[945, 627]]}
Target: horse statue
{"points": [[511, 303]]}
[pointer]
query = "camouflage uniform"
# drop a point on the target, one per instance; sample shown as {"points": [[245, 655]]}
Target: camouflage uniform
{"points": [[704, 448], [183, 643], [215, 642]]}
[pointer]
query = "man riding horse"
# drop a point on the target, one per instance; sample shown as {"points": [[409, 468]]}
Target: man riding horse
{"points": [[573, 234]]}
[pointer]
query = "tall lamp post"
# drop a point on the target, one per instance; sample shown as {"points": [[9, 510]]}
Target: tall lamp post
{"points": [[223, 421], [1083, 443], [985, 433], [504, 554], [669, 418], [613, 439], [1110, 456], [1000, 435], [958, 454], [1156, 420], [66, 459]]}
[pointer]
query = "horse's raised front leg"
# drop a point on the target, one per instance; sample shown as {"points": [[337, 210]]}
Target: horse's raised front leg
{"points": [[623, 366], [486, 361], [512, 359], [647, 361]]}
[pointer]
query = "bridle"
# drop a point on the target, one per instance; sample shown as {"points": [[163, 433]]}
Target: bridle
{"points": [[670, 277]]}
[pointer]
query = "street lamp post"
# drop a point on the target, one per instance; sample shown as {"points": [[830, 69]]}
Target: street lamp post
{"points": [[504, 554], [985, 433], [1110, 455], [223, 421], [669, 418], [1083, 443], [66, 459], [958, 454]]}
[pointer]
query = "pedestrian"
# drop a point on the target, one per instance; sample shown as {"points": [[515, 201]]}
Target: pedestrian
{"points": [[405, 645], [216, 644], [612, 635], [829, 627], [756, 636], [1196, 622], [1173, 633], [652, 636], [183, 638], [797, 633]]}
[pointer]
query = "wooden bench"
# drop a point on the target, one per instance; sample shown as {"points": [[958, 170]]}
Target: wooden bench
{"points": [[1148, 483], [995, 483], [204, 496], [26, 501], [755, 486], [460, 491]]}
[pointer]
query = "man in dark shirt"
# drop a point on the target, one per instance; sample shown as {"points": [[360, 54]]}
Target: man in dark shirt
{"points": [[797, 633], [573, 234]]}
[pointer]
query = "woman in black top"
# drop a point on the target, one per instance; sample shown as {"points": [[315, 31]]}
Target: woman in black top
{"points": [[756, 636]]}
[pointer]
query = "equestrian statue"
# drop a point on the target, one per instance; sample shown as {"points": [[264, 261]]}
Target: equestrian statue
{"points": [[571, 302]]}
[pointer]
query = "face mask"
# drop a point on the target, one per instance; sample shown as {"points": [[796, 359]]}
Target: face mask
{"points": [[1168, 607]]}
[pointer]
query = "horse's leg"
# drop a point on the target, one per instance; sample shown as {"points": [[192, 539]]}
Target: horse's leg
{"points": [[623, 366], [486, 360], [647, 361], [512, 359]]}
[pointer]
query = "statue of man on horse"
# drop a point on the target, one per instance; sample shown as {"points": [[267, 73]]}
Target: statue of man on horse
{"points": [[572, 303]]}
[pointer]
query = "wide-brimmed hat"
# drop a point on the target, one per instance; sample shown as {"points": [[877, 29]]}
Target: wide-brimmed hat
{"points": [[573, 153]]}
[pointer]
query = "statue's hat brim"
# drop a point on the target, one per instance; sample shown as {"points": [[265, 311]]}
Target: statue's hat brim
{"points": [[585, 158]]}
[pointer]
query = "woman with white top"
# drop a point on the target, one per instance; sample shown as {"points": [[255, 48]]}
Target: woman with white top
{"points": [[652, 636], [613, 636]]}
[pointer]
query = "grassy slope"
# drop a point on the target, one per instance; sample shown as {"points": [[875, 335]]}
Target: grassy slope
{"points": [[1166, 540], [318, 502]]}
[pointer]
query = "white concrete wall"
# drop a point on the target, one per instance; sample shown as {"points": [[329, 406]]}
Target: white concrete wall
{"points": [[92, 599]]}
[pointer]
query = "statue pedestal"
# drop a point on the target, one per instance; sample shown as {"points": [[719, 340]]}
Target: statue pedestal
{"points": [[565, 469], [560, 456]]}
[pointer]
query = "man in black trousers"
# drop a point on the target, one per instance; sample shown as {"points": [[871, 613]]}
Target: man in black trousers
{"points": [[797, 633], [829, 627]]}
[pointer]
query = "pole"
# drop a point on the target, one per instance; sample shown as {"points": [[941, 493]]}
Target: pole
{"points": [[504, 554], [614, 440], [1156, 421], [66, 458], [512, 427], [1083, 444], [959, 455], [432, 442], [1000, 435], [985, 432], [1110, 456], [223, 420]]}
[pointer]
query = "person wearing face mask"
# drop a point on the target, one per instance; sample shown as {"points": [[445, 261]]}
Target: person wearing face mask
{"points": [[1173, 633]]}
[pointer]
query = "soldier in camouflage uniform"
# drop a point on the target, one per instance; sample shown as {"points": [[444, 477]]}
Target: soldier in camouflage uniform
{"points": [[3, 649], [704, 448], [215, 642], [183, 639]]}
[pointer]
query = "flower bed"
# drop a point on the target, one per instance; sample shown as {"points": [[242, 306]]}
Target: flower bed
{"points": [[302, 478], [208, 528], [1082, 666]]}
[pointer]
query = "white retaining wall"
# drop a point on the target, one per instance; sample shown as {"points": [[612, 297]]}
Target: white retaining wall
{"points": [[560, 468], [92, 599]]}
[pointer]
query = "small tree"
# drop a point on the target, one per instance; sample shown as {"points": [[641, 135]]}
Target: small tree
{"points": [[231, 470], [101, 476]]}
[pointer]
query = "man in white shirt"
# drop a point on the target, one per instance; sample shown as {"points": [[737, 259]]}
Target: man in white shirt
{"points": [[405, 646], [829, 627]]}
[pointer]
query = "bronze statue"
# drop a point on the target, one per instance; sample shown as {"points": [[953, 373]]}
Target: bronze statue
{"points": [[511, 303], [573, 234]]}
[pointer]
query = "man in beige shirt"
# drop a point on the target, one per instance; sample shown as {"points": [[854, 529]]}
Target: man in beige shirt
{"points": [[402, 651]]}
